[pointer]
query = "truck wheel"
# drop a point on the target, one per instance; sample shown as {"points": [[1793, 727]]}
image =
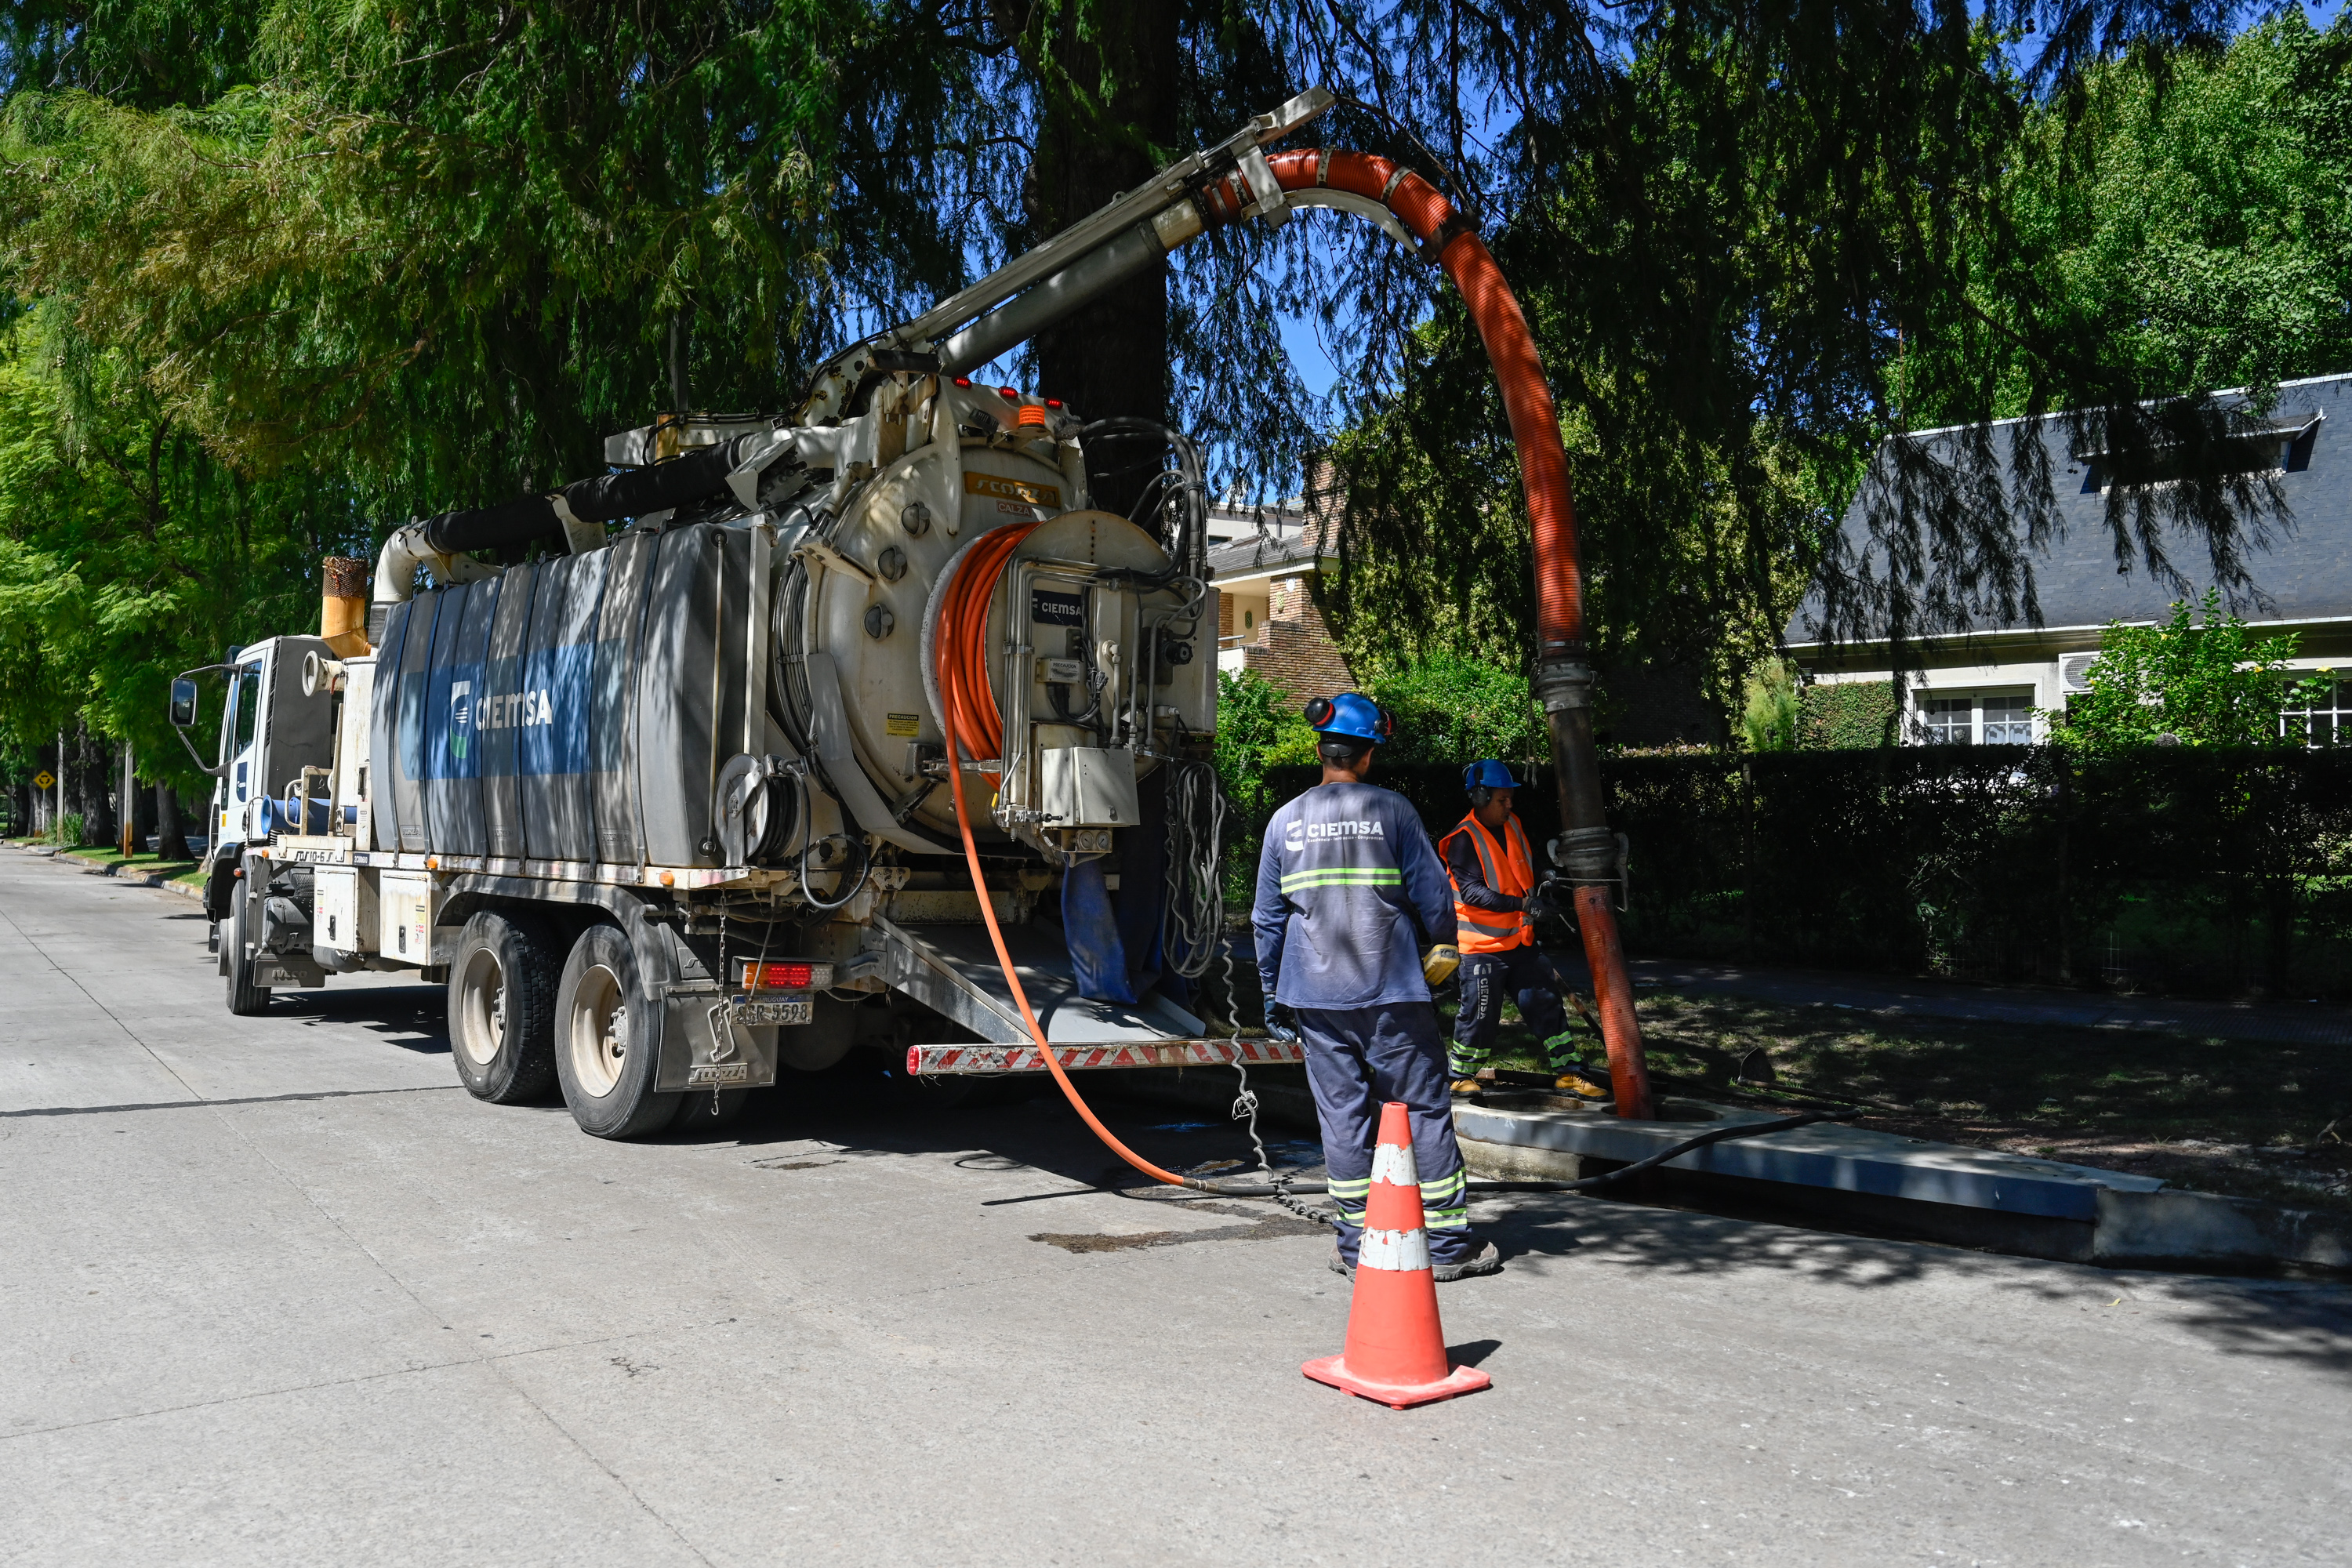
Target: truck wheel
{"points": [[605, 1040], [245, 998], [502, 1008]]}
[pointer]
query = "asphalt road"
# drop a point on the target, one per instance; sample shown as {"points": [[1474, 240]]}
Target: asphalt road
{"points": [[276, 1290]]}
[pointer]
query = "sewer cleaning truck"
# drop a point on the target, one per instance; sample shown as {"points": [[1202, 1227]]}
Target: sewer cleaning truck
{"points": [[855, 727]]}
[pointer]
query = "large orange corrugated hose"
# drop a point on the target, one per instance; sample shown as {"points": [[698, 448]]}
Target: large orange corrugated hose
{"points": [[1502, 328], [1543, 475]]}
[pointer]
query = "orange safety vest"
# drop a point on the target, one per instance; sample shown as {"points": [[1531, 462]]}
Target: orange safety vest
{"points": [[1510, 870]]}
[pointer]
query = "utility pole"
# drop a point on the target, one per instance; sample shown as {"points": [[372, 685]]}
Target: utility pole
{"points": [[58, 823], [129, 812]]}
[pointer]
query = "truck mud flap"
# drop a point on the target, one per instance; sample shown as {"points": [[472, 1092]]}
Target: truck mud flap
{"points": [[703, 1047], [953, 969]]}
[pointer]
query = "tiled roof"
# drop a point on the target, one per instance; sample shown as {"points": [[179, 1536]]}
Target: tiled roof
{"points": [[2305, 574], [1257, 555]]}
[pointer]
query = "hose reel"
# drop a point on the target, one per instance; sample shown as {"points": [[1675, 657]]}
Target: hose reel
{"points": [[760, 801]]}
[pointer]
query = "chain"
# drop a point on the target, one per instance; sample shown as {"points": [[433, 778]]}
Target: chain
{"points": [[1245, 1105]]}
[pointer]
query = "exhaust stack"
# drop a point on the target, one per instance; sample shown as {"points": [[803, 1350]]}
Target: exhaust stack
{"points": [[343, 609]]}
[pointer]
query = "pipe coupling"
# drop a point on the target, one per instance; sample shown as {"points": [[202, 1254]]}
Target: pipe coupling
{"points": [[1563, 683], [1590, 855]]}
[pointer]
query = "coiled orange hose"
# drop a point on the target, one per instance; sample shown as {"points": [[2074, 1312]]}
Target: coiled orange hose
{"points": [[967, 698], [968, 708]]}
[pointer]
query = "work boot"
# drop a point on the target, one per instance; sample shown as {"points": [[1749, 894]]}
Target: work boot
{"points": [[1466, 1086], [1487, 1260], [1339, 1263], [1587, 1082]]}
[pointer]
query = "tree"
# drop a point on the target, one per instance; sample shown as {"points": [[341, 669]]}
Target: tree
{"points": [[2217, 683], [423, 256]]}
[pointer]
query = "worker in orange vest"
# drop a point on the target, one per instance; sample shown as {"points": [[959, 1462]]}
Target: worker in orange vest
{"points": [[1497, 902]]}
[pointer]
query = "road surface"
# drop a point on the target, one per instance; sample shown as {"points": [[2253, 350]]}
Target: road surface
{"points": [[276, 1290]]}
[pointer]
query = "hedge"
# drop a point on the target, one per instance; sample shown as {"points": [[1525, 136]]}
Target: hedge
{"points": [[2192, 870]]}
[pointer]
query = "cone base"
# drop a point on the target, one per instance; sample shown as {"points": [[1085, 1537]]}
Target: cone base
{"points": [[1333, 1370]]}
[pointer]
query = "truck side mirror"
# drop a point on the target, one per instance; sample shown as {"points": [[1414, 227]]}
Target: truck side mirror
{"points": [[183, 704]]}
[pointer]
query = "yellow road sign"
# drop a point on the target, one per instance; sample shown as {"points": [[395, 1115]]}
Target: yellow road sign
{"points": [[44, 779]]}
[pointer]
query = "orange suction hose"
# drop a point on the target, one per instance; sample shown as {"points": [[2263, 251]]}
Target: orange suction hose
{"points": [[966, 704]]}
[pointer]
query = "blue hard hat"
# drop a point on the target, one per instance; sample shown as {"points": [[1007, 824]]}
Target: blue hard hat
{"points": [[1488, 773], [1352, 714]]}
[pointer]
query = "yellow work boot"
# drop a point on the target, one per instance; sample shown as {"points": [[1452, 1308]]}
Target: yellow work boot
{"points": [[1466, 1086], [1583, 1082]]}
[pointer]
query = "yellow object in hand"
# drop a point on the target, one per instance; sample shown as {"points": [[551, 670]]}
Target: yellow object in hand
{"points": [[1438, 965]]}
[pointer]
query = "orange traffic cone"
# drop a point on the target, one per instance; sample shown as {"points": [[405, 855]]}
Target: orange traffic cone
{"points": [[1396, 1350]]}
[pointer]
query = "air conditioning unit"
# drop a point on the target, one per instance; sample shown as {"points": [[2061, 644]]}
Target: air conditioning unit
{"points": [[2074, 671]]}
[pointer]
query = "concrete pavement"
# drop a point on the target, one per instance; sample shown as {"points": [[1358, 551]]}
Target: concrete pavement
{"points": [[276, 1290]]}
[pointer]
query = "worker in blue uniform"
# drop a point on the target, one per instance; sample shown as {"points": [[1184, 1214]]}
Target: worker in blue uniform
{"points": [[1350, 890]]}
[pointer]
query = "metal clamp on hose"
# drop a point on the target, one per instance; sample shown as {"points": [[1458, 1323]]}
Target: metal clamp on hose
{"points": [[1593, 858], [1563, 683]]}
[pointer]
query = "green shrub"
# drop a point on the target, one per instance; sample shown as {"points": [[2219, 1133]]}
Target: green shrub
{"points": [[1770, 717], [1851, 716], [1451, 710]]}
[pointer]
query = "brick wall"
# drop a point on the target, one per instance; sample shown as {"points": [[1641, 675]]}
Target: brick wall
{"points": [[1294, 649]]}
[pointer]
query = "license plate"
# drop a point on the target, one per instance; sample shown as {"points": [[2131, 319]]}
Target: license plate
{"points": [[791, 1010]]}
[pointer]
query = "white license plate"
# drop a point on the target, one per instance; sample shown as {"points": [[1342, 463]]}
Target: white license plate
{"points": [[791, 1010]]}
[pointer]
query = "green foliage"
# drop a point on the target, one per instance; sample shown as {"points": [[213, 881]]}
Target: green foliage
{"points": [[1258, 726], [2219, 683], [67, 829], [1453, 710], [1770, 717], [1849, 715]]}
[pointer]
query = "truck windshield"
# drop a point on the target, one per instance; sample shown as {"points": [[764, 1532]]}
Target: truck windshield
{"points": [[245, 707]]}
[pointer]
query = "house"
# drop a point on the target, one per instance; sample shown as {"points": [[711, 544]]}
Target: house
{"points": [[1265, 561], [1992, 684]]}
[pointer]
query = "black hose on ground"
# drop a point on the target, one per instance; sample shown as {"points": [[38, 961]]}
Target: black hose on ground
{"points": [[1648, 1163]]}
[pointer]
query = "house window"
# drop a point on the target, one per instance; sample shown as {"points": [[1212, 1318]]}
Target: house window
{"points": [[1992, 718], [2327, 723], [1950, 721], [2009, 720]]}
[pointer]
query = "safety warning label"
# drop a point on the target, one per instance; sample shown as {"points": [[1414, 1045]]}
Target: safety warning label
{"points": [[907, 725]]}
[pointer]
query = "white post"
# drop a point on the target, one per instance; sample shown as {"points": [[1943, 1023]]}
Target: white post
{"points": [[58, 823]]}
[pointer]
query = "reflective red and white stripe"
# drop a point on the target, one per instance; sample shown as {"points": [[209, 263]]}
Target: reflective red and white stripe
{"points": [[923, 1061]]}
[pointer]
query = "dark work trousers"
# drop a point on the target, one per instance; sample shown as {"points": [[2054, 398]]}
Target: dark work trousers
{"points": [[1358, 1058], [1523, 974]]}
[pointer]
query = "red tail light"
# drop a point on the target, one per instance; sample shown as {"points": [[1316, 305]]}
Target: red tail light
{"points": [[779, 976], [963, 381]]}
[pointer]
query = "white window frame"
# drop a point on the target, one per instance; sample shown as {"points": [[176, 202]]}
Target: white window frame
{"points": [[1923, 723], [2339, 715]]}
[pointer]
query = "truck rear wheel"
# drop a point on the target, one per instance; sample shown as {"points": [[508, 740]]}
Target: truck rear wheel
{"points": [[502, 1007], [237, 959], [605, 1040]]}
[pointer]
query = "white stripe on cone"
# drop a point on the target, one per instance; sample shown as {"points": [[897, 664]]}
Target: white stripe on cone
{"points": [[1393, 1163], [1402, 1251]]}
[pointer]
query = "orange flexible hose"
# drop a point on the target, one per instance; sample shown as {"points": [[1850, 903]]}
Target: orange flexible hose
{"points": [[967, 698], [961, 649], [1501, 328]]}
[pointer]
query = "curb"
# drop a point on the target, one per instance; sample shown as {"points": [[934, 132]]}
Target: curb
{"points": [[145, 880]]}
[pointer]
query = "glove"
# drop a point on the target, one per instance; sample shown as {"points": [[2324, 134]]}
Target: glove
{"points": [[1438, 965], [1280, 1026], [1542, 903]]}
